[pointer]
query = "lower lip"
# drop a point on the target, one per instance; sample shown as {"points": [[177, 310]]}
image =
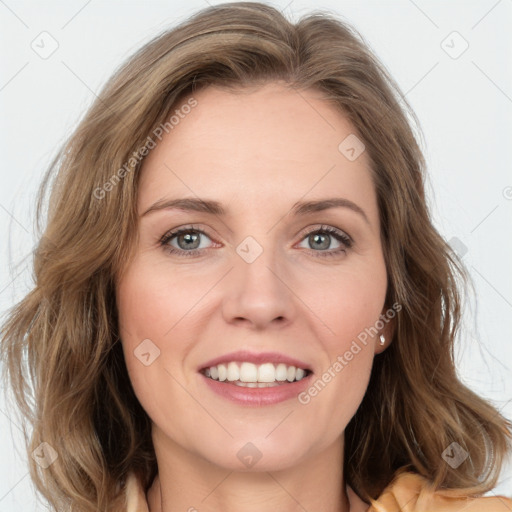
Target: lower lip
{"points": [[258, 396]]}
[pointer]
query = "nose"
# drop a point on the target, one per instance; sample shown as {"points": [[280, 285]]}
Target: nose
{"points": [[258, 294]]}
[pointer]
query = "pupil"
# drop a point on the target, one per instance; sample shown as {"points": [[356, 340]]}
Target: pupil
{"points": [[317, 237], [190, 239]]}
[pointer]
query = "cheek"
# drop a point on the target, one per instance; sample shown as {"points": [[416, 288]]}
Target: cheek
{"points": [[154, 303], [154, 312], [338, 388], [349, 305]]}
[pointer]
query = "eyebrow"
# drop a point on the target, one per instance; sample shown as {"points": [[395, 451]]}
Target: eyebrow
{"points": [[212, 207]]}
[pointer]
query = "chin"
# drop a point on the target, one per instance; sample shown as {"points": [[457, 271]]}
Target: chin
{"points": [[256, 454]]}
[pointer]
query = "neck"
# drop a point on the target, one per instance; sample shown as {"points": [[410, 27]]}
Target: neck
{"points": [[188, 482]]}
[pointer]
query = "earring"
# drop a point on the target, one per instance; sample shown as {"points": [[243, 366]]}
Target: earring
{"points": [[382, 339]]}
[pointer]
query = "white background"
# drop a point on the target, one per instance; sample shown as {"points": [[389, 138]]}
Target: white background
{"points": [[464, 106]]}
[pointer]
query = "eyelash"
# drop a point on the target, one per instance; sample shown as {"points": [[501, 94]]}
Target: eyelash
{"points": [[338, 235]]}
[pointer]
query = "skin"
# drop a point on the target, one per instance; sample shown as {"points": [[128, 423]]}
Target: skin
{"points": [[257, 152]]}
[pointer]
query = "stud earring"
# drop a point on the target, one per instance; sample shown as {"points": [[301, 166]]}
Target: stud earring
{"points": [[382, 339]]}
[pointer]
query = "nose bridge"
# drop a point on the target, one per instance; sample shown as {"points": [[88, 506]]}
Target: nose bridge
{"points": [[257, 262], [257, 289]]}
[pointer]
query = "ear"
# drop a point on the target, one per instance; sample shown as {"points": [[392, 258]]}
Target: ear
{"points": [[388, 318]]}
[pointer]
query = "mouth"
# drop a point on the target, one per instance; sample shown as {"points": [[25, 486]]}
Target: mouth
{"points": [[250, 375]]}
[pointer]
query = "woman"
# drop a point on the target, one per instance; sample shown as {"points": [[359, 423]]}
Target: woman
{"points": [[189, 345]]}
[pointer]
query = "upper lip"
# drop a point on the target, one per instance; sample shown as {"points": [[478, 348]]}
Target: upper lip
{"points": [[257, 358]]}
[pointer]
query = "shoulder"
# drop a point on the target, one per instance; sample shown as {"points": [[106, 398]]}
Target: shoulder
{"points": [[410, 492]]}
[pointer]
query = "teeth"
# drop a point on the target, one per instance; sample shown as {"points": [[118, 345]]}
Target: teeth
{"points": [[256, 384], [233, 372], [223, 372], [266, 373], [251, 375], [248, 372], [281, 372]]}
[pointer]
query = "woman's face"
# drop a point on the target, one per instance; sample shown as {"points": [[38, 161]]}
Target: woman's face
{"points": [[261, 277]]}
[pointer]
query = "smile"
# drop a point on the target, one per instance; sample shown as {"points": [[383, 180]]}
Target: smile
{"points": [[250, 375], [255, 393]]}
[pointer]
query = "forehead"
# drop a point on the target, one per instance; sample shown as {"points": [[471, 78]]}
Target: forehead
{"points": [[269, 143]]}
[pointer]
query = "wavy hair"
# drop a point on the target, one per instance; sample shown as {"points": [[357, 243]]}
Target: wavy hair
{"points": [[60, 343]]}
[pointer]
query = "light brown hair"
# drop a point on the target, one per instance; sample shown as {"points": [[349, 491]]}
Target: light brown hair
{"points": [[61, 346]]}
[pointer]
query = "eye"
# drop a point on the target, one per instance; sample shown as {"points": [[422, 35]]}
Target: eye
{"points": [[320, 240], [187, 241]]}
